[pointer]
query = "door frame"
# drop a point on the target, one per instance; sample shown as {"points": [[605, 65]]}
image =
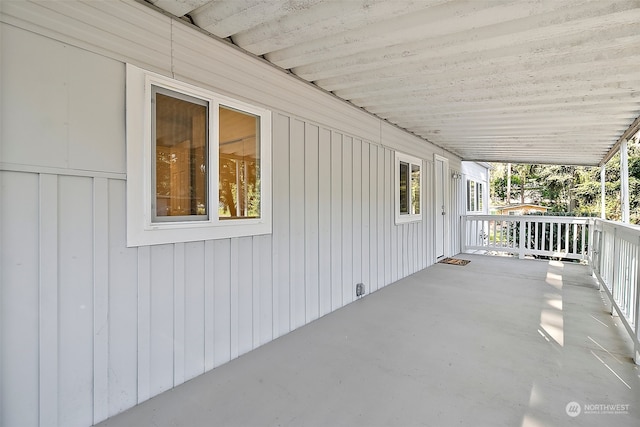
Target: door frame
{"points": [[437, 212]]}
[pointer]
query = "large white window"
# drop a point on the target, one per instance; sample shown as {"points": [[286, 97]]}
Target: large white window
{"points": [[198, 163], [408, 189]]}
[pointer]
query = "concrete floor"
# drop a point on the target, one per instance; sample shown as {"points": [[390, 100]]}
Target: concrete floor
{"points": [[499, 342]]}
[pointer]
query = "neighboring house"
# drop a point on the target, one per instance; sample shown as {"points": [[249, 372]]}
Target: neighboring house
{"points": [[476, 181], [521, 209], [170, 203]]}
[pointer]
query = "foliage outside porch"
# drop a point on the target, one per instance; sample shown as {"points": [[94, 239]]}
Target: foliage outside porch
{"points": [[574, 190]]}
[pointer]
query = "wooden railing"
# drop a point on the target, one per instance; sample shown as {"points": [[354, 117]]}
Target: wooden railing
{"points": [[612, 250], [550, 236], [615, 261]]}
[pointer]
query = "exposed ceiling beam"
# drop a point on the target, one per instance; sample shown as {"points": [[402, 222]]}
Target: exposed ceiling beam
{"points": [[631, 131]]}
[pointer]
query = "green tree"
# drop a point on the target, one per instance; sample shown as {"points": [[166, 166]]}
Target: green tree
{"points": [[574, 189]]}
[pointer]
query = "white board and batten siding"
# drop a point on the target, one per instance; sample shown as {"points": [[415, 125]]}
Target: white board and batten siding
{"points": [[90, 327]]}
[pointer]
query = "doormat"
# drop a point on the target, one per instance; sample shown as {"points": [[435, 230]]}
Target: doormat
{"points": [[454, 261]]}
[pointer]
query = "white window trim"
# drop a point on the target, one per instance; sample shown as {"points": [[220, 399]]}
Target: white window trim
{"points": [[477, 197], [407, 218], [140, 228]]}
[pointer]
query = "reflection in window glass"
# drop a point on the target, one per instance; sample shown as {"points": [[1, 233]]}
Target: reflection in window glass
{"points": [[239, 173], [415, 189], [180, 168], [480, 196], [404, 183]]}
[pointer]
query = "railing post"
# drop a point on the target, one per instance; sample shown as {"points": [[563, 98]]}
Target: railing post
{"points": [[624, 181], [603, 195], [636, 353], [615, 274], [463, 233], [521, 243]]}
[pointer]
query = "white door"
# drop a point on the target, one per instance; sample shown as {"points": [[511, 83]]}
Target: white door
{"points": [[441, 216]]}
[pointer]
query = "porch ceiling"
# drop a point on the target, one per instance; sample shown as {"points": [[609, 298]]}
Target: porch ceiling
{"points": [[489, 80]]}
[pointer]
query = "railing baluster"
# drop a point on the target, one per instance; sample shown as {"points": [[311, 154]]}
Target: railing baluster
{"points": [[559, 234], [583, 251], [522, 225]]}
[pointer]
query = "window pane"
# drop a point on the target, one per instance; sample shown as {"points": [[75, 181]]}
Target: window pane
{"points": [[239, 178], [415, 189], [472, 196], [480, 196], [404, 191], [180, 169]]}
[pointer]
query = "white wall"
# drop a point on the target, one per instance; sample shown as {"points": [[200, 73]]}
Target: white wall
{"points": [[89, 327]]}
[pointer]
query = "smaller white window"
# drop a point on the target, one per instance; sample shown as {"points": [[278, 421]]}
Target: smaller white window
{"points": [[408, 189], [475, 194], [471, 196]]}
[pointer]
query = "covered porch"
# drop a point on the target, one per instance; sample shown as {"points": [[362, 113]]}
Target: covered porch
{"points": [[499, 341]]}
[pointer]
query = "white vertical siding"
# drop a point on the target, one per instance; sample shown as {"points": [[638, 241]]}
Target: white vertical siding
{"points": [[347, 219], [89, 327], [194, 306], [325, 206], [75, 301], [356, 219], [48, 269], [366, 216], [337, 211], [124, 286], [296, 222], [311, 222], [101, 299], [280, 227], [222, 302], [390, 270], [20, 304]]}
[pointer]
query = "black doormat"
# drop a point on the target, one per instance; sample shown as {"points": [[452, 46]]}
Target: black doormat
{"points": [[454, 261]]}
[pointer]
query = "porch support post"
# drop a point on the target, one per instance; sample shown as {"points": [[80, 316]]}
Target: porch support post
{"points": [[603, 213], [624, 181]]}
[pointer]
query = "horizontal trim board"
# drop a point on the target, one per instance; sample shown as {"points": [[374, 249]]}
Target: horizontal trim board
{"points": [[13, 167]]}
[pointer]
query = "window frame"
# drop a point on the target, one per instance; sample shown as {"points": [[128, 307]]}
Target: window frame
{"points": [[475, 201], [155, 218], [411, 161], [141, 228], [472, 197]]}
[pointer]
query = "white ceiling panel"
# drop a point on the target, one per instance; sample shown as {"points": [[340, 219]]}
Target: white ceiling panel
{"points": [[540, 81]]}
